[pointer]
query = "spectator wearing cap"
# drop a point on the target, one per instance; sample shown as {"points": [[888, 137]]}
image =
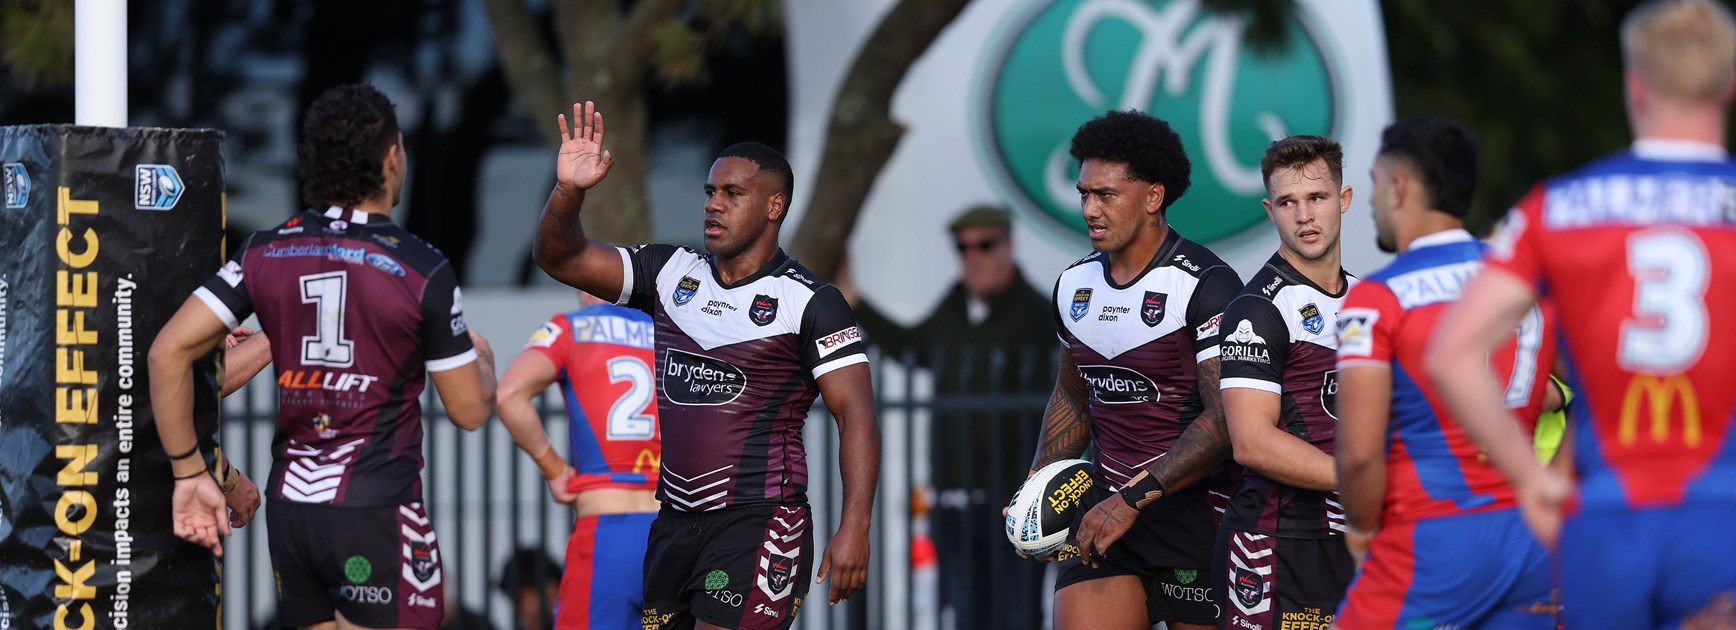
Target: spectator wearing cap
{"points": [[990, 339]]}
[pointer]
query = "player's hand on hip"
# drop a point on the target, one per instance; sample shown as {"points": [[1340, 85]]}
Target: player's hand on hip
{"points": [[582, 162], [558, 487], [1106, 523], [197, 512], [243, 500], [846, 561], [1540, 500]]}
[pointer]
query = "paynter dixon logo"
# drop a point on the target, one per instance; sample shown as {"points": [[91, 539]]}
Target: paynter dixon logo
{"points": [[1063, 62], [1666, 398]]}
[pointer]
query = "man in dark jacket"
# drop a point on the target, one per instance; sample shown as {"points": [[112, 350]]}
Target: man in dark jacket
{"points": [[990, 346]]}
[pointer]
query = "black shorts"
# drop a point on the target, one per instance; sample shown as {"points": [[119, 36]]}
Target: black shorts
{"points": [[745, 567], [1271, 582], [378, 565], [1168, 548]]}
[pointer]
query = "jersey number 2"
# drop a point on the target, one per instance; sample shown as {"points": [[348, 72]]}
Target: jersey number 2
{"points": [[327, 346], [1667, 333], [625, 420]]}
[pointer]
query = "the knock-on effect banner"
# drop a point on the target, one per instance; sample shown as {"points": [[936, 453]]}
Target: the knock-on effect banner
{"points": [[103, 233]]}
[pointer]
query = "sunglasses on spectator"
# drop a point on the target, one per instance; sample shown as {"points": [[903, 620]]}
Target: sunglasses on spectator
{"points": [[981, 246]]}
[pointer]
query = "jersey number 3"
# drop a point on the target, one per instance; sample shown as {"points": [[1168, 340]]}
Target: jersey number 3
{"points": [[327, 346], [1667, 332]]}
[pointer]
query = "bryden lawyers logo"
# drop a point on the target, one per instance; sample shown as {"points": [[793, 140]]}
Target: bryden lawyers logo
{"points": [[695, 379], [156, 187], [1118, 385], [1062, 62], [17, 184]]}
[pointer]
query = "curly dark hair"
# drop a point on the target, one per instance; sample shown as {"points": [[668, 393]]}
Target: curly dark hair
{"points": [[1147, 145], [345, 137]]}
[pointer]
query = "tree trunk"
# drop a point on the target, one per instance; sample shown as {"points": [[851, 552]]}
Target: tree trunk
{"points": [[861, 135]]}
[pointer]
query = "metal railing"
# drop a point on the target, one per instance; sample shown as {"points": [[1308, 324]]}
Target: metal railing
{"points": [[487, 500]]}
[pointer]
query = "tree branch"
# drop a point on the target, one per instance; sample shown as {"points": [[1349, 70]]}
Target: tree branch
{"points": [[526, 62], [861, 135]]}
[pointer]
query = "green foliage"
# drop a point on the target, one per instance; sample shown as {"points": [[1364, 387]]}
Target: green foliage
{"points": [[36, 41], [1539, 81], [680, 46]]}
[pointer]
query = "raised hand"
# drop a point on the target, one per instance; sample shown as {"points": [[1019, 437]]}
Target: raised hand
{"points": [[582, 162]]}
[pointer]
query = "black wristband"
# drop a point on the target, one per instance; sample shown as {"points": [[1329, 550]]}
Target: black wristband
{"points": [[183, 478], [1144, 490], [190, 452]]}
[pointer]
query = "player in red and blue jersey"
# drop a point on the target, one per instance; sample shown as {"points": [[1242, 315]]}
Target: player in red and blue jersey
{"points": [[1451, 550], [601, 355], [1635, 251]]}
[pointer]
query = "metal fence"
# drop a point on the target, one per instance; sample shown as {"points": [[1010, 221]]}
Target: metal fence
{"points": [[487, 500]]}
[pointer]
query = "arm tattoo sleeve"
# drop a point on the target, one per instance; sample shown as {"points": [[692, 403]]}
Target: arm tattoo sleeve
{"points": [[1204, 444], [1067, 420]]}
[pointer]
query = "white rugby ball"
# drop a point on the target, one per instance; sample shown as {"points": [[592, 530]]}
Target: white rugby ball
{"points": [[1042, 511]]}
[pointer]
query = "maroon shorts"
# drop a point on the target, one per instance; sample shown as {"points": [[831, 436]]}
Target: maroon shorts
{"points": [[379, 566]]}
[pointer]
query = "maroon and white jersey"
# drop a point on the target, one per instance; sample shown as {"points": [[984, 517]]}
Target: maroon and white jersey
{"points": [[1139, 345], [1280, 336], [358, 310], [737, 369]]}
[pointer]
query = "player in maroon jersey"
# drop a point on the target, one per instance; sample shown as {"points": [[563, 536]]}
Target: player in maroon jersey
{"points": [[746, 340], [361, 312]]}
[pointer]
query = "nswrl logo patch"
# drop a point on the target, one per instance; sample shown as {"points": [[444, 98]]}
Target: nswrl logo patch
{"points": [[156, 187], [17, 184]]}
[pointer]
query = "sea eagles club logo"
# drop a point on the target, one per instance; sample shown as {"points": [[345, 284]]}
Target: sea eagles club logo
{"points": [[1058, 63], [763, 310], [1151, 310]]}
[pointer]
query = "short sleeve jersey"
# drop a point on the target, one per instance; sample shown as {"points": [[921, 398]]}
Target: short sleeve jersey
{"points": [[737, 369], [1279, 336], [1138, 347], [358, 311], [1433, 469], [604, 354], [1636, 250]]}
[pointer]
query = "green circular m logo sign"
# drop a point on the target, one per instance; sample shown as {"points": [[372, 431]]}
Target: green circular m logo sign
{"points": [[1067, 61]]}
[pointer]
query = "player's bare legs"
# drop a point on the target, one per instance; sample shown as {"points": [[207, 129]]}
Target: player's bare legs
{"points": [[1111, 603]]}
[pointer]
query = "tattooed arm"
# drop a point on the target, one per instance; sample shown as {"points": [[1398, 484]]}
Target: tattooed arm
{"points": [[1067, 420], [1202, 446]]}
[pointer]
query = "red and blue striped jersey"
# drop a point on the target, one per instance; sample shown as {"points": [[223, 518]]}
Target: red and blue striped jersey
{"points": [[1432, 467], [1636, 250], [605, 357]]}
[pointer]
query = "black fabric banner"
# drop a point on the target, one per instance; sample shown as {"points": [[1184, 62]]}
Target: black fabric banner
{"points": [[103, 233]]}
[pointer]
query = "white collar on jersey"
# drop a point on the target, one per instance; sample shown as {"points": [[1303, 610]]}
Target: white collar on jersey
{"points": [[1443, 237], [1679, 150], [356, 216]]}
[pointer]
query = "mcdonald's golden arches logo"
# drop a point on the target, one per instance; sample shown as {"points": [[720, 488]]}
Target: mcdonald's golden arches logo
{"points": [[646, 456], [1662, 395]]}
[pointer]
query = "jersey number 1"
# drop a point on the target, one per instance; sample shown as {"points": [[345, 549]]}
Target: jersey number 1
{"points": [[327, 346]]}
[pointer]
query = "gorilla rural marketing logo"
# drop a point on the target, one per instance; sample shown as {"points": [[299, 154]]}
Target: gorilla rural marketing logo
{"points": [[1063, 62]]}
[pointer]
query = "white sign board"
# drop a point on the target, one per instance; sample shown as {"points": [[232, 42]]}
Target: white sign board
{"points": [[990, 110]]}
